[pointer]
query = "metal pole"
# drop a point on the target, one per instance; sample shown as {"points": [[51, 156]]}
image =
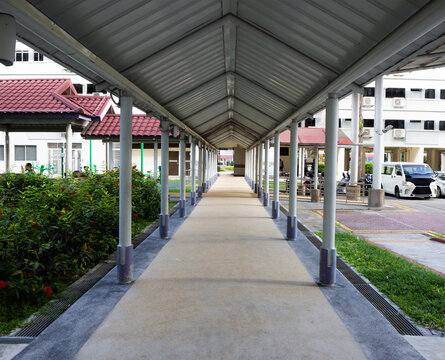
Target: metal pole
{"points": [[125, 247], [155, 160], [260, 170], [110, 155], [266, 173], [91, 156], [182, 174], [276, 177], [354, 137], [205, 165], [7, 152], [69, 152], [192, 171], [328, 253], [316, 168], [378, 138], [142, 157], [256, 168], [200, 155], [164, 217], [293, 177]]}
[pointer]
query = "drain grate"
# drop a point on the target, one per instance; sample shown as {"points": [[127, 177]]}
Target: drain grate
{"points": [[397, 320]]}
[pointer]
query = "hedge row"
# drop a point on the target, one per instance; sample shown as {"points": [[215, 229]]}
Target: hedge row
{"points": [[53, 230]]}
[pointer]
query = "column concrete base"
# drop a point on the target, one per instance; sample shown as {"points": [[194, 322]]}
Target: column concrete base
{"points": [[256, 188], [252, 184], [164, 225], [192, 198], [204, 187], [291, 228], [315, 195], [266, 199], [124, 259], [260, 192], [327, 272], [353, 192], [182, 208], [275, 209], [199, 191], [376, 197]]}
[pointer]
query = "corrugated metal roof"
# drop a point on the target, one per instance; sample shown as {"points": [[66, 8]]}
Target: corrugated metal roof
{"points": [[207, 63]]}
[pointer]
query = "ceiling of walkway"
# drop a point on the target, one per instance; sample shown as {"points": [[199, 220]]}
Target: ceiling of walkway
{"points": [[231, 71]]}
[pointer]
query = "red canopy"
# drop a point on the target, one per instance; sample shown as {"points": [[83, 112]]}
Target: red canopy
{"points": [[314, 136]]}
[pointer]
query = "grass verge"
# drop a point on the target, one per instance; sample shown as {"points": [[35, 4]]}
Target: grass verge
{"points": [[419, 292]]}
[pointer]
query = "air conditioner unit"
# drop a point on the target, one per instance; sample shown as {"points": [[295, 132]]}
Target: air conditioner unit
{"points": [[398, 102], [367, 133], [368, 101], [398, 133]]}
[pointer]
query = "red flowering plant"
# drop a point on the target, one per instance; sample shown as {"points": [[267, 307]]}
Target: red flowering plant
{"points": [[53, 236]]}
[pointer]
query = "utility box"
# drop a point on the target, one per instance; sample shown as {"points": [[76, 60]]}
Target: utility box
{"points": [[239, 159]]}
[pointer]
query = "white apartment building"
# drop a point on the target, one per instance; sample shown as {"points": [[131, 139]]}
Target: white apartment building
{"points": [[414, 103]]}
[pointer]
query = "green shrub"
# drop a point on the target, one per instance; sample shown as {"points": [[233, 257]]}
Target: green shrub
{"points": [[54, 230], [368, 168], [320, 166]]}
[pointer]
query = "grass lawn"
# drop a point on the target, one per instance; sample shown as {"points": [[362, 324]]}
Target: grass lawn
{"points": [[419, 292]]}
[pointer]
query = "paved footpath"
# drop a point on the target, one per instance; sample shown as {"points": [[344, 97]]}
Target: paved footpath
{"points": [[226, 286]]}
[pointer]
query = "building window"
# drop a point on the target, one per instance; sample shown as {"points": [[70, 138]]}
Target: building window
{"points": [[309, 122], [339, 123], [428, 124], [430, 93], [2, 152], [22, 55], [38, 56], [442, 93], [90, 88], [397, 124], [395, 92], [26, 153], [284, 151], [79, 88], [442, 125], [369, 91], [368, 122]]}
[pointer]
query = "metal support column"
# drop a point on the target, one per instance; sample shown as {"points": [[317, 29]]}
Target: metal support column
{"points": [[205, 164], [256, 168], [328, 254], [378, 137], [253, 162], [142, 157], [7, 152], [317, 151], [164, 219], [354, 137], [155, 160], [125, 247], [110, 155], [69, 147], [276, 177], [192, 171], [200, 158], [260, 170], [293, 177], [182, 205], [266, 173]]}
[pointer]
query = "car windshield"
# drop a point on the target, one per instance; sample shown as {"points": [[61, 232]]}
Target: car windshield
{"points": [[423, 169], [441, 176]]}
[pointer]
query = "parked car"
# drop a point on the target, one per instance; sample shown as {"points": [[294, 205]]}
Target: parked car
{"points": [[404, 179], [440, 180]]}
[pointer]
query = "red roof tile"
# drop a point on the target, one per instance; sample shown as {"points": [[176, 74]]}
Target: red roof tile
{"points": [[47, 96], [93, 104], [314, 136], [143, 126]]}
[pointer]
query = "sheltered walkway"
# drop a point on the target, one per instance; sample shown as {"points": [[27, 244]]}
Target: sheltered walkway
{"points": [[226, 286]]}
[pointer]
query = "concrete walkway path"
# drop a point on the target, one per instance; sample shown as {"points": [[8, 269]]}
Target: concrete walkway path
{"points": [[226, 286]]}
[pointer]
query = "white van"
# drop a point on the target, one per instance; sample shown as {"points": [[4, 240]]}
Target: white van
{"points": [[404, 179]]}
